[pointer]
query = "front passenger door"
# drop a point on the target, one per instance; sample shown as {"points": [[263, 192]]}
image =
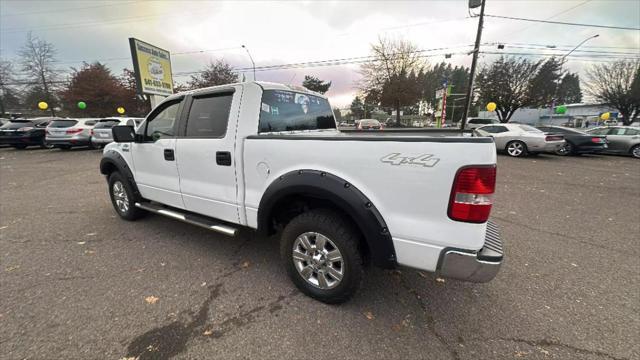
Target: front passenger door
{"points": [[154, 157]]}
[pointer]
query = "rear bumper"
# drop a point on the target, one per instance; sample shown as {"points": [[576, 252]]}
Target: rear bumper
{"points": [[69, 142], [480, 266]]}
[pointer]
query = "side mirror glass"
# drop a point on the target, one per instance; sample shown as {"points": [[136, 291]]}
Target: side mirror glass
{"points": [[123, 133]]}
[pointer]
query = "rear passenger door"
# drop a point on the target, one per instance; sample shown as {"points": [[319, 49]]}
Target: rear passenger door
{"points": [[205, 154], [617, 139]]}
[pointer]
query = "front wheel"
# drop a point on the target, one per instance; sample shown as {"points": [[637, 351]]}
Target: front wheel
{"points": [[123, 198], [516, 148], [320, 253], [635, 151]]}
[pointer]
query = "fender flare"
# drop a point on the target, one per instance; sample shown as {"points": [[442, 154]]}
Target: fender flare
{"points": [[113, 161], [345, 196]]}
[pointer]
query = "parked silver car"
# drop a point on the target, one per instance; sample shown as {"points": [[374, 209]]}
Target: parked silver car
{"points": [[474, 123], [623, 140], [68, 133], [101, 134], [520, 139]]}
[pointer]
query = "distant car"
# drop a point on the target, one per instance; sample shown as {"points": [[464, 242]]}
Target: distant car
{"points": [[369, 124], [623, 140], [520, 140], [101, 133], [577, 142], [474, 123], [68, 133], [21, 133]]}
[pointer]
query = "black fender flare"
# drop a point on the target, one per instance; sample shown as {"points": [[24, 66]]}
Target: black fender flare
{"points": [[345, 196], [113, 161]]}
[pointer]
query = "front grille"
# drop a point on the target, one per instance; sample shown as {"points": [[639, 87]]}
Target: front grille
{"points": [[492, 249]]}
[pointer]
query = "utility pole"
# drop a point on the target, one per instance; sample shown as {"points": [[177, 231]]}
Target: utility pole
{"points": [[472, 72], [252, 62]]}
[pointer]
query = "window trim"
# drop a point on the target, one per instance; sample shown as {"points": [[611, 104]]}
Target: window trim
{"points": [[160, 108], [184, 118], [296, 92]]}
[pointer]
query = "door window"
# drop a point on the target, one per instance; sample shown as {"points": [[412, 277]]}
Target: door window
{"points": [[209, 116], [632, 132], [617, 131], [161, 123]]}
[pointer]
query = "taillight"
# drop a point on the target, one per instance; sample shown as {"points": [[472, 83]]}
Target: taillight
{"points": [[597, 140], [91, 132], [472, 194], [74, 131], [553, 138]]}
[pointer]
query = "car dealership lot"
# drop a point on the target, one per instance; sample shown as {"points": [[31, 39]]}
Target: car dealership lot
{"points": [[78, 282]]}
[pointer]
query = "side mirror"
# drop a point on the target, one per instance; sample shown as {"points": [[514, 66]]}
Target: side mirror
{"points": [[123, 133]]}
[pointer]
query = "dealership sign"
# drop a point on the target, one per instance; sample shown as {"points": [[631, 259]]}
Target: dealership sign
{"points": [[152, 67]]}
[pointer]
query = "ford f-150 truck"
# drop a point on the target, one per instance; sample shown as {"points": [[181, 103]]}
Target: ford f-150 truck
{"points": [[269, 157]]}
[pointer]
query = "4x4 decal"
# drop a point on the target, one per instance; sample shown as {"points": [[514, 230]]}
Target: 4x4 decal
{"points": [[426, 160]]}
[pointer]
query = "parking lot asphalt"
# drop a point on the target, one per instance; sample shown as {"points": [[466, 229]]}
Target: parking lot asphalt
{"points": [[77, 282]]}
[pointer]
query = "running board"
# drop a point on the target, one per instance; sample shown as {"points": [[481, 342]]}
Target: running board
{"points": [[189, 218]]}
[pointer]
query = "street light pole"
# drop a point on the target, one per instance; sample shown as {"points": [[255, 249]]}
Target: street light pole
{"points": [[253, 63], [562, 60], [472, 72]]}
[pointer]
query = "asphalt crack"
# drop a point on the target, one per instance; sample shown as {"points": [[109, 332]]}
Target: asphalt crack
{"points": [[556, 343]]}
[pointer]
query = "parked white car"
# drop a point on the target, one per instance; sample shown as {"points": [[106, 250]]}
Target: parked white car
{"points": [[102, 135], [269, 157], [474, 123], [520, 139]]}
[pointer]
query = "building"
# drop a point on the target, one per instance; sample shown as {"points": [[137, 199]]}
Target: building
{"points": [[577, 115]]}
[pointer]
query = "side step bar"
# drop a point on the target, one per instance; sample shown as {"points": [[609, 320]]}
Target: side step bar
{"points": [[189, 218]]}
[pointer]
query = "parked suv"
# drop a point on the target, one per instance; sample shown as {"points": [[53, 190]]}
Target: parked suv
{"points": [[68, 133], [101, 134], [22, 133]]}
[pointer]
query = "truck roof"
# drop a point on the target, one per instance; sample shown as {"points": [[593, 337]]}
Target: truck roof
{"points": [[263, 84]]}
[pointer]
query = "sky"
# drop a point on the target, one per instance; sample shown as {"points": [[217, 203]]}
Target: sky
{"points": [[287, 32]]}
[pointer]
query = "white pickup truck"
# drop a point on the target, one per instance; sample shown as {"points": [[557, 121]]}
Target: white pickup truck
{"points": [[268, 157]]}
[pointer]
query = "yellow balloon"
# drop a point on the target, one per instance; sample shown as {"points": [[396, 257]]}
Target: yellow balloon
{"points": [[491, 106], [605, 116], [43, 105], [120, 110]]}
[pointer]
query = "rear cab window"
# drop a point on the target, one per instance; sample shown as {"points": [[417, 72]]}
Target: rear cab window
{"points": [[63, 123], [282, 110]]}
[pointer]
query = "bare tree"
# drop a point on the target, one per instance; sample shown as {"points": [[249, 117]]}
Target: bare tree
{"points": [[392, 63], [506, 82], [37, 59], [616, 84], [8, 94]]}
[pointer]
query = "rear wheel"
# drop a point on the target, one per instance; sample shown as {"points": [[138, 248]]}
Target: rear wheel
{"points": [[320, 253], [566, 149], [123, 198], [516, 148], [635, 151]]}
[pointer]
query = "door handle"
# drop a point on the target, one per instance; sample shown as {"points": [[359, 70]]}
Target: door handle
{"points": [[223, 158], [169, 155]]}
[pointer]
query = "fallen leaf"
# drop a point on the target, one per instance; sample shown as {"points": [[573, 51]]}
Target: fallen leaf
{"points": [[572, 264], [440, 280], [207, 332], [369, 315], [91, 234], [151, 299], [544, 351], [396, 327], [245, 264], [4, 227], [11, 268], [422, 274], [90, 252], [81, 242], [163, 264], [203, 284]]}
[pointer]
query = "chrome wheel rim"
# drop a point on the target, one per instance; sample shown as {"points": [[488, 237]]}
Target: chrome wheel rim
{"points": [[636, 152], [515, 149], [318, 260], [120, 197]]}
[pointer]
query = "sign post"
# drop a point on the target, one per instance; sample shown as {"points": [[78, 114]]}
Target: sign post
{"points": [[152, 68]]}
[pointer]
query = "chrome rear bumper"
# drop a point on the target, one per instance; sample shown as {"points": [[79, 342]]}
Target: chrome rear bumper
{"points": [[480, 266]]}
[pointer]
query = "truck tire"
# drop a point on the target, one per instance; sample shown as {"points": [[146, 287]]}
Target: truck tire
{"points": [[123, 198], [319, 250]]}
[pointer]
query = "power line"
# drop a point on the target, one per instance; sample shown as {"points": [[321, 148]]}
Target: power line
{"points": [[551, 46], [120, 3], [550, 17], [563, 23]]}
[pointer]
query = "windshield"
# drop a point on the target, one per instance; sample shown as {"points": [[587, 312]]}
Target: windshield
{"points": [[288, 111], [16, 124], [106, 124], [529, 128], [62, 123]]}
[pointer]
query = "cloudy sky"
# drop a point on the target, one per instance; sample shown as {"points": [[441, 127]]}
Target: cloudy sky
{"points": [[290, 32]]}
